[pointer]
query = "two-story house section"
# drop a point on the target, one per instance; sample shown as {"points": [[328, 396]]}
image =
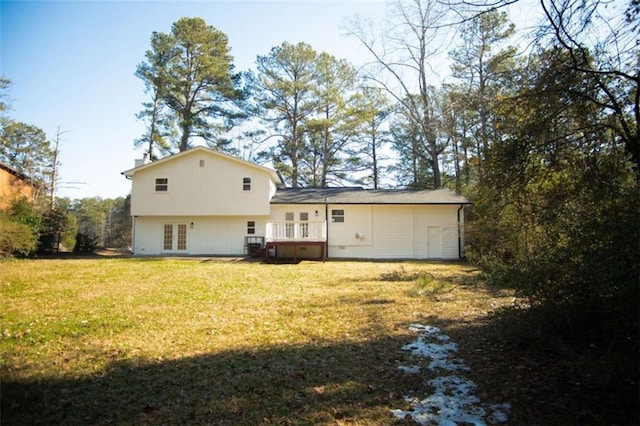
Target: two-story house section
{"points": [[199, 202], [202, 202]]}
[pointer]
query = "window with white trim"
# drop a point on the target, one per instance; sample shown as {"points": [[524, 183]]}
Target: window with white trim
{"points": [[251, 227], [246, 184], [304, 227], [337, 215], [289, 226], [162, 184]]}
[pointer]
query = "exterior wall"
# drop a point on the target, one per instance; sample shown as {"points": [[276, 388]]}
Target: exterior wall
{"points": [[213, 235], [315, 211], [384, 232], [342, 240], [216, 189], [381, 231], [396, 232], [11, 186]]}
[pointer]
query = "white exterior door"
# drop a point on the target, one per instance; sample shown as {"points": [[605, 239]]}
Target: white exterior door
{"points": [[434, 242], [174, 237]]}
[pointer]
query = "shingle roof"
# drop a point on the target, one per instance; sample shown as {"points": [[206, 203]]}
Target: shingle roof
{"points": [[357, 195]]}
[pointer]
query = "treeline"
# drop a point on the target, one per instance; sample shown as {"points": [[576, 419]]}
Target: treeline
{"points": [[29, 228]]}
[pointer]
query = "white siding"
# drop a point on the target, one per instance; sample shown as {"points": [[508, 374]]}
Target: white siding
{"points": [[214, 189], [315, 211], [355, 231], [393, 231], [219, 235], [450, 242], [397, 232]]}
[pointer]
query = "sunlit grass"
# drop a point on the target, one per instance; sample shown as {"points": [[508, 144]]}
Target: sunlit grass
{"points": [[311, 343]]}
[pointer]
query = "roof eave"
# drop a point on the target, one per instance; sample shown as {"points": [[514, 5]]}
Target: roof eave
{"points": [[275, 175]]}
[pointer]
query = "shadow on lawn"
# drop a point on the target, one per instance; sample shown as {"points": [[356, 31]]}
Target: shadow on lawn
{"points": [[323, 384], [299, 384]]}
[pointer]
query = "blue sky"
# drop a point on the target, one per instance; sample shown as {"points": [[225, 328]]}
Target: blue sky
{"points": [[72, 63]]}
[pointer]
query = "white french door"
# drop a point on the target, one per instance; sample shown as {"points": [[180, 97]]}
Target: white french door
{"points": [[174, 237]]}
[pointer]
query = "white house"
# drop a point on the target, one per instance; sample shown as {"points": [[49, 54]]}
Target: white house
{"points": [[202, 202]]}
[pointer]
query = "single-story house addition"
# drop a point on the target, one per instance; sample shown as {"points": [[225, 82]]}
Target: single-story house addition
{"points": [[202, 202]]}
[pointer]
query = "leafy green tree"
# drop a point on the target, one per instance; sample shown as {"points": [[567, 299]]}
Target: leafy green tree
{"points": [[484, 72], [412, 168], [68, 236], [118, 229], [457, 122], [16, 238], [311, 103], [155, 114], [90, 214], [556, 216], [191, 71], [332, 129], [285, 97], [26, 148], [56, 223], [419, 151], [21, 224], [24, 211], [102, 222], [373, 134]]}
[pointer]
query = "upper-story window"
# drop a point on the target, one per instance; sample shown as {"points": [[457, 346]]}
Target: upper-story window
{"points": [[337, 216], [246, 184], [162, 185]]}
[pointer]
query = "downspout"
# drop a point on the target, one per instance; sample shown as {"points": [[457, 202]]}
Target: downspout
{"points": [[326, 224], [460, 233]]}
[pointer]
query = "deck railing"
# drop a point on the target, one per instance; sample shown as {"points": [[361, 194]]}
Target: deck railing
{"points": [[291, 230]]}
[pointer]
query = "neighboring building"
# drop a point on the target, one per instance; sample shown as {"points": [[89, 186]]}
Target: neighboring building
{"points": [[14, 184], [202, 202]]}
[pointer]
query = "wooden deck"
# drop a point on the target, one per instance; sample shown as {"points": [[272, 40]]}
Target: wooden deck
{"points": [[296, 234], [295, 244]]}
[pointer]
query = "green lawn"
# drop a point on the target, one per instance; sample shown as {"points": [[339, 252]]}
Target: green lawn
{"points": [[193, 341]]}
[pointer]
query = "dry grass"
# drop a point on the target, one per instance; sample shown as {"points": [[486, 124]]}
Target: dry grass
{"points": [[120, 340]]}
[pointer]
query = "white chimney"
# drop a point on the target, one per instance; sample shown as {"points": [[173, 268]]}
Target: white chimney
{"points": [[142, 161]]}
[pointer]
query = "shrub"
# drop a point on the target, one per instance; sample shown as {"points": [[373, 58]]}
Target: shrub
{"points": [[85, 243], [16, 238]]}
